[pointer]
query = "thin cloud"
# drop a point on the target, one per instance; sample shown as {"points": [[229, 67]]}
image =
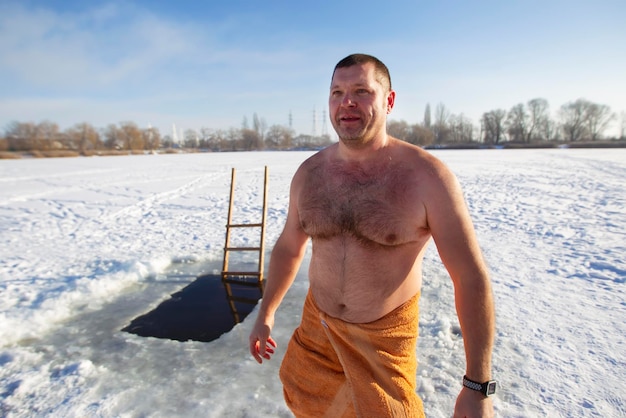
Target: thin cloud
{"points": [[94, 49]]}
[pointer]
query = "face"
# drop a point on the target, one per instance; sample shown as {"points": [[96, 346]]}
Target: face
{"points": [[359, 104]]}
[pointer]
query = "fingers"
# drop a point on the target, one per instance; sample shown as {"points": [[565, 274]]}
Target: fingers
{"points": [[262, 350], [254, 350], [272, 342], [265, 350]]}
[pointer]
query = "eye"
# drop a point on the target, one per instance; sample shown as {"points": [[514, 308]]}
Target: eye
{"points": [[362, 91]]}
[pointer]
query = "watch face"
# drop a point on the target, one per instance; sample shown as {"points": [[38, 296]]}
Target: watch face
{"points": [[491, 388]]}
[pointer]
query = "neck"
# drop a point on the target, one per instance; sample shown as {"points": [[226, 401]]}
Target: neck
{"points": [[363, 151]]}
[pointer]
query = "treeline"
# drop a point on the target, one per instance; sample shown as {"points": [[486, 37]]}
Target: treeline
{"points": [[85, 139], [525, 123]]}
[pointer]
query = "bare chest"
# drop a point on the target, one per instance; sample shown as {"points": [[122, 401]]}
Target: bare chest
{"points": [[382, 207]]}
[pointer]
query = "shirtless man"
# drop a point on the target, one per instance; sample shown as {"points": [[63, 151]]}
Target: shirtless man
{"points": [[370, 203]]}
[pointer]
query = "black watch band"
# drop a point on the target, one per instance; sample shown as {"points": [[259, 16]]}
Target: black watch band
{"points": [[487, 388]]}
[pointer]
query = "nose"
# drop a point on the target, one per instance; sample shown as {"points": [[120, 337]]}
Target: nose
{"points": [[347, 101]]}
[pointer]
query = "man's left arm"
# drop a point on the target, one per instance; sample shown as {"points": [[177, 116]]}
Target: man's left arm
{"points": [[453, 233]]}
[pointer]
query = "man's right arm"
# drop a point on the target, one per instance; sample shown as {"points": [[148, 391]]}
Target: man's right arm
{"points": [[285, 261]]}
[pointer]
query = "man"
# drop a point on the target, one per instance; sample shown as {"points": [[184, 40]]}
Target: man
{"points": [[370, 204]]}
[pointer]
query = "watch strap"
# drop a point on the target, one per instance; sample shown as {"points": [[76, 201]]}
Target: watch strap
{"points": [[487, 388]]}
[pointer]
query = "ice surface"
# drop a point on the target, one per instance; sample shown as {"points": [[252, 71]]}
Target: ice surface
{"points": [[86, 243]]}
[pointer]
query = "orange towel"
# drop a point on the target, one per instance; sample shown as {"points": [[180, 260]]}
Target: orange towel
{"points": [[337, 369]]}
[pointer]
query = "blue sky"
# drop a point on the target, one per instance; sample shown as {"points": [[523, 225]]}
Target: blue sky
{"points": [[212, 63]]}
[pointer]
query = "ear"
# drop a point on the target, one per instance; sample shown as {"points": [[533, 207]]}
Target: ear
{"points": [[391, 100]]}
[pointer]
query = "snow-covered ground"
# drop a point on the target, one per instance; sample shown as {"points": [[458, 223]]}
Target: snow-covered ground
{"points": [[88, 244]]}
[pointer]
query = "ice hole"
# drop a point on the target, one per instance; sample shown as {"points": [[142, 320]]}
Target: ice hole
{"points": [[200, 311]]}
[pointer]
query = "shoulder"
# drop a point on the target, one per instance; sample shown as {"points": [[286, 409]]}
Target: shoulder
{"points": [[436, 186], [425, 165], [315, 162], [313, 167]]}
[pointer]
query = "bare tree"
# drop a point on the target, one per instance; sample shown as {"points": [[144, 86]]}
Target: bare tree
{"points": [[572, 117], [493, 126], [259, 125], [222, 139], [420, 135], [211, 139], [250, 140], [461, 129], [48, 136], [516, 123], [279, 137], [112, 137], [304, 141], [151, 138], [21, 136], [131, 136], [232, 140], [538, 118], [550, 131], [598, 117], [427, 120], [206, 137], [83, 137], [191, 139], [399, 129], [414, 134], [440, 127]]}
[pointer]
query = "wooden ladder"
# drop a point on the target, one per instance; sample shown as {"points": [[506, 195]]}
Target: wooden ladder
{"points": [[233, 280]]}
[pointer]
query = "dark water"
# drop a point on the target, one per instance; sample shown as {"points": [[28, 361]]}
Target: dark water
{"points": [[199, 312]]}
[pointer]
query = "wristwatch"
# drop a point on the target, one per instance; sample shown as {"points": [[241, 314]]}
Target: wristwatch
{"points": [[488, 388]]}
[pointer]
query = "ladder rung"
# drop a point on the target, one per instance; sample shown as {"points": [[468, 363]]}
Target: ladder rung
{"points": [[241, 273], [242, 282], [242, 249], [243, 300], [244, 225]]}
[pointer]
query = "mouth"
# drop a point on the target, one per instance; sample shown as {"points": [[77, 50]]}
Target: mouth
{"points": [[349, 118]]}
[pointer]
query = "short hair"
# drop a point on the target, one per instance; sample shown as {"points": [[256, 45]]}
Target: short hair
{"points": [[380, 69]]}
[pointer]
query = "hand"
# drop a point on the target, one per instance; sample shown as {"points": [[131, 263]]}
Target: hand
{"points": [[261, 343], [473, 404]]}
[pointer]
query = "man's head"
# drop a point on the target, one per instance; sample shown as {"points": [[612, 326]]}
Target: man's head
{"points": [[381, 70], [360, 100]]}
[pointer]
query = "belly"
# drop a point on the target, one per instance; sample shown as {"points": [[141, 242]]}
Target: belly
{"points": [[361, 283]]}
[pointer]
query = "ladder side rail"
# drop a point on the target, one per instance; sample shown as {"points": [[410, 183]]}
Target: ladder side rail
{"points": [[227, 287], [263, 224], [228, 221]]}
